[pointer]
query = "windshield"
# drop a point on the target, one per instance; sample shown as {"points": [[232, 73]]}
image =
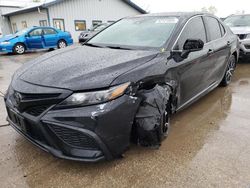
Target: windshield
{"points": [[19, 33], [238, 21], [137, 32]]}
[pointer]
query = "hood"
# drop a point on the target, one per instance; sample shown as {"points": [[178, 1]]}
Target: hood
{"points": [[82, 68], [240, 30], [7, 38]]}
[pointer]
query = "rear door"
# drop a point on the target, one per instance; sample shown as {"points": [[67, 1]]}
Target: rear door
{"points": [[50, 37], [191, 70], [34, 39], [221, 48]]}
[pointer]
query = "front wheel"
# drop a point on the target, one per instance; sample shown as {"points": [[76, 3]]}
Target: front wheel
{"points": [[61, 44], [229, 72], [165, 125], [19, 49]]}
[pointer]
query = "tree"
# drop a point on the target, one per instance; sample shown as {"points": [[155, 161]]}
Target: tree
{"points": [[210, 9]]}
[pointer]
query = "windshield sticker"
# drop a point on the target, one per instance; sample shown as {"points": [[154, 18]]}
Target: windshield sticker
{"points": [[166, 21]]}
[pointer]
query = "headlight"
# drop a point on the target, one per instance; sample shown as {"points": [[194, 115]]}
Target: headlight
{"points": [[5, 43], [248, 36], [90, 98]]}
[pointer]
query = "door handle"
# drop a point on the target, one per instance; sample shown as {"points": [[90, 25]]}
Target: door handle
{"points": [[210, 51]]}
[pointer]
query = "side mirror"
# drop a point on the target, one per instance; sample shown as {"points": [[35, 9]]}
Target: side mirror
{"points": [[191, 45], [26, 35]]}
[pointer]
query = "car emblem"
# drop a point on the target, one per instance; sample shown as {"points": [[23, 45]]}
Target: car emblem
{"points": [[18, 98]]}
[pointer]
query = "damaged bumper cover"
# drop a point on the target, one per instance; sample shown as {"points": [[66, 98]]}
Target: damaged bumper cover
{"points": [[90, 133]]}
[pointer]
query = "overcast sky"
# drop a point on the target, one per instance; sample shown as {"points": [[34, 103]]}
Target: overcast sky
{"points": [[224, 7]]}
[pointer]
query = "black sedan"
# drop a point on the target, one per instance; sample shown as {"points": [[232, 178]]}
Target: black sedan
{"points": [[88, 103], [85, 35]]}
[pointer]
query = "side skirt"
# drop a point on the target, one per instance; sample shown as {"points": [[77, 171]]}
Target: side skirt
{"points": [[198, 96]]}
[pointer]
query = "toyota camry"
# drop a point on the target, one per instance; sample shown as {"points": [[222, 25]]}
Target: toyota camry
{"points": [[88, 103]]}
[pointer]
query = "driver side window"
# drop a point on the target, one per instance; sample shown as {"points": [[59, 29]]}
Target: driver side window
{"points": [[36, 32], [194, 29]]}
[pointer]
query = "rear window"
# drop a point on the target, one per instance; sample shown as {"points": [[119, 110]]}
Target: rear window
{"points": [[49, 31]]}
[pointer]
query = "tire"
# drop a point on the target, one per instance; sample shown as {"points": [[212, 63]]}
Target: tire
{"points": [[61, 44], [229, 72], [19, 49], [51, 49], [152, 120], [165, 125]]}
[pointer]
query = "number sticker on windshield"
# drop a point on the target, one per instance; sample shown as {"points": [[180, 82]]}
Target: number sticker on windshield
{"points": [[166, 21]]}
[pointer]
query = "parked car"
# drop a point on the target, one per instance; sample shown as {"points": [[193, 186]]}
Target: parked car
{"points": [[85, 35], [35, 38], [240, 25], [122, 85]]}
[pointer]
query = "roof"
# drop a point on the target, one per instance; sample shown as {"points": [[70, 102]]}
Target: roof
{"points": [[175, 14], [52, 2], [10, 6], [179, 14], [33, 7]]}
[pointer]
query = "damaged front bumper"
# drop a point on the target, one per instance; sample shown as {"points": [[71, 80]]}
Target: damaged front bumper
{"points": [[90, 133]]}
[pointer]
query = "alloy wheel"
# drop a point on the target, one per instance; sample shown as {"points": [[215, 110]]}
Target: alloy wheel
{"points": [[20, 49], [230, 70], [166, 123], [62, 44]]}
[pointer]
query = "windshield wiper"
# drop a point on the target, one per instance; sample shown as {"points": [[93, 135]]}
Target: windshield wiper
{"points": [[118, 47]]}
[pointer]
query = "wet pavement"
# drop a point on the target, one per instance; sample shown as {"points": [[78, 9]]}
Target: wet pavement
{"points": [[208, 146]]}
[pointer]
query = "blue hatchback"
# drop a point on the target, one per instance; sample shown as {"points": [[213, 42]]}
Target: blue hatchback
{"points": [[35, 38]]}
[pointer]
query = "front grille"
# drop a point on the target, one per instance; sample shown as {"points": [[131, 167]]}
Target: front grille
{"points": [[74, 138], [242, 36], [247, 46], [37, 110], [33, 104]]}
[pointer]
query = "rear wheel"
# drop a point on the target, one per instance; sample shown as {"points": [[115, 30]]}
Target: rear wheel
{"points": [[61, 44], [229, 72], [19, 49]]}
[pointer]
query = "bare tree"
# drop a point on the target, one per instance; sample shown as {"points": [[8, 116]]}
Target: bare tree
{"points": [[210, 9]]}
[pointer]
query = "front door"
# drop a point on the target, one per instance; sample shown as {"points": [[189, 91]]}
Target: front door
{"points": [[34, 39], [191, 70]]}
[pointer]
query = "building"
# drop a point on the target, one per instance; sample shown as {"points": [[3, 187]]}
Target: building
{"points": [[72, 15], [5, 27]]}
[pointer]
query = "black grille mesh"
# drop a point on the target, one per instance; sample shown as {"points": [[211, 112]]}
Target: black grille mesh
{"points": [[74, 138], [37, 110]]}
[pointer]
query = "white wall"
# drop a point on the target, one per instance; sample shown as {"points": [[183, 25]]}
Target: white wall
{"points": [[104, 10], [4, 22], [32, 19]]}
